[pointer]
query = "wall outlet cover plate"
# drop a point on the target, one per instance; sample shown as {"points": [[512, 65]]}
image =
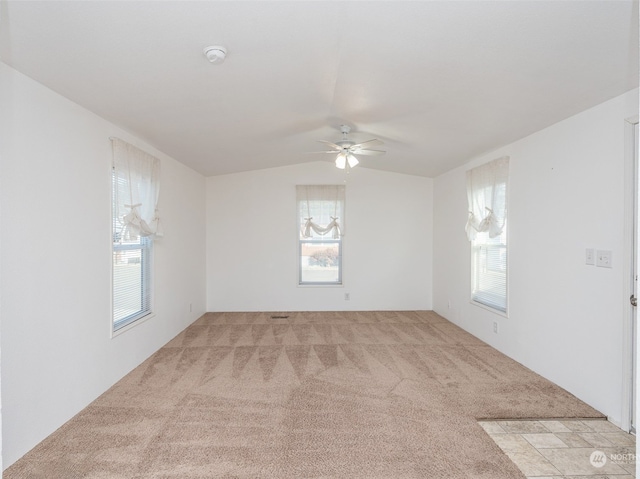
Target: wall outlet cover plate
{"points": [[603, 258]]}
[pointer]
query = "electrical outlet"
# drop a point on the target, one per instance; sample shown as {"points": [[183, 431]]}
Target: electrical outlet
{"points": [[191, 307], [495, 327], [347, 296], [603, 258]]}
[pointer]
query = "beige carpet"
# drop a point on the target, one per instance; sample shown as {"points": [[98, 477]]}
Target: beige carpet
{"points": [[314, 395]]}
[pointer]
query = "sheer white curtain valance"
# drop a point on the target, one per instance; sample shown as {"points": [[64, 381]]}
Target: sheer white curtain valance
{"points": [[136, 190], [321, 210], [486, 193]]}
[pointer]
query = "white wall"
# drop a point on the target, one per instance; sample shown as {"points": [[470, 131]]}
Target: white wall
{"points": [[57, 355], [252, 242], [566, 194], [565, 318]]}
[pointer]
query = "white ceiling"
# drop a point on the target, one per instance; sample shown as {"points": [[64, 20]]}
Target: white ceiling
{"points": [[438, 81]]}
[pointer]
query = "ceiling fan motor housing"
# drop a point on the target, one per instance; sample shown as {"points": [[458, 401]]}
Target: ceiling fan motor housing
{"points": [[345, 144]]}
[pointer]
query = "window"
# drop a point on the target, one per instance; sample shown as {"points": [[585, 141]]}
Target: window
{"points": [[131, 278], [135, 223], [489, 270], [320, 232], [486, 229]]}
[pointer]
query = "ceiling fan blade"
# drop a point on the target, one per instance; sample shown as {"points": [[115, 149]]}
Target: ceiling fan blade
{"points": [[373, 142], [332, 145], [333, 152], [368, 152]]}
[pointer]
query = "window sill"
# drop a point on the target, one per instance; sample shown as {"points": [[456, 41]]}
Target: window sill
{"points": [[504, 314], [131, 325]]}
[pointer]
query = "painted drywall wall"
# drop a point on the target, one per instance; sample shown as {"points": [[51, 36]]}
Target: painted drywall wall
{"points": [[57, 354], [566, 194], [252, 242]]}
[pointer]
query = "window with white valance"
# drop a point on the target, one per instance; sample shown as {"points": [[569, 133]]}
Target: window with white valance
{"points": [[135, 223], [486, 229], [137, 186], [321, 227]]}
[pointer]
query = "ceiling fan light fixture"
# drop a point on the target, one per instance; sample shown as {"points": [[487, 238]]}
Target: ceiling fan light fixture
{"points": [[346, 149]]}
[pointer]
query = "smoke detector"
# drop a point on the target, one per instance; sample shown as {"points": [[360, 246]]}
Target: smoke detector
{"points": [[215, 54]]}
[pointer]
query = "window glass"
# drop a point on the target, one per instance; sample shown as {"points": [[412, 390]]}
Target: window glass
{"points": [[320, 233], [487, 230], [131, 265]]}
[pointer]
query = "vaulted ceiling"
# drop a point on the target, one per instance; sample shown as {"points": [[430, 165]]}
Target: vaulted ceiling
{"points": [[438, 81]]}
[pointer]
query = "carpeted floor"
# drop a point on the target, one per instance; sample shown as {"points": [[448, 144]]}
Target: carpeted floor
{"points": [[314, 395]]}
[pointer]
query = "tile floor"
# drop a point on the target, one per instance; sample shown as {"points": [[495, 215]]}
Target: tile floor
{"points": [[566, 449]]}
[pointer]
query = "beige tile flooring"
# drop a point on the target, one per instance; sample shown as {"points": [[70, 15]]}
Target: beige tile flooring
{"points": [[566, 449]]}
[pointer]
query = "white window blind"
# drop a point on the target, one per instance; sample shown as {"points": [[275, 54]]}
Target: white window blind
{"points": [[131, 281], [486, 229], [135, 222], [489, 271], [320, 230]]}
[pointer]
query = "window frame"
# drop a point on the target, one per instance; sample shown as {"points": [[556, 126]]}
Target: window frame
{"points": [[488, 192], [330, 204], [476, 248], [145, 246], [302, 242]]}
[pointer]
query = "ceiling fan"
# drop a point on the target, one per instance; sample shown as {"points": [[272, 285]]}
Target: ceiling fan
{"points": [[347, 149]]}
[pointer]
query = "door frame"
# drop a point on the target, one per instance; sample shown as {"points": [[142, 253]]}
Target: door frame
{"points": [[631, 255]]}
